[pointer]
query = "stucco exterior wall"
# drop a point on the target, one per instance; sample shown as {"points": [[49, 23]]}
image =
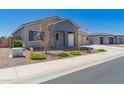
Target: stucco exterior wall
{"points": [[94, 39], [19, 34], [82, 38], [65, 27], [105, 40], [121, 39]]}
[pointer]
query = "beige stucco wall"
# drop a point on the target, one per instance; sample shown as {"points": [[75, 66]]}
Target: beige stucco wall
{"points": [[19, 34], [121, 41], [66, 27], [82, 38], [94, 39]]}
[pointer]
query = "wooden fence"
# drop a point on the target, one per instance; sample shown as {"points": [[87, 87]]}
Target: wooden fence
{"points": [[4, 43]]}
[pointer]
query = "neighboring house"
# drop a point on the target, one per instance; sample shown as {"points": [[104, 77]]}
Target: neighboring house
{"points": [[59, 33], [103, 38]]}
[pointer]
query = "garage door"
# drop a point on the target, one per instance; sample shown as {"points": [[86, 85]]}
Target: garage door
{"points": [[111, 40], [71, 39]]}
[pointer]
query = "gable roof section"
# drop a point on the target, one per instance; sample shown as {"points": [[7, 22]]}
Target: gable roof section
{"points": [[33, 22], [66, 19]]}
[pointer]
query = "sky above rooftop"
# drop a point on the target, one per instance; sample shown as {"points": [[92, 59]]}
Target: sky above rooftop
{"points": [[104, 21]]}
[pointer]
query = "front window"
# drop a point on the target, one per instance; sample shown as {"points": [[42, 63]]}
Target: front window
{"points": [[35, 35]]}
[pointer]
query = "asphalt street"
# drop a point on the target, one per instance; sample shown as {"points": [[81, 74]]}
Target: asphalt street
{"points": [[111, 72]]}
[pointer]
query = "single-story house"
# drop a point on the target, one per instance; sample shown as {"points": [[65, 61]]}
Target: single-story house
{"points": [[104, 38], [53, 31]]}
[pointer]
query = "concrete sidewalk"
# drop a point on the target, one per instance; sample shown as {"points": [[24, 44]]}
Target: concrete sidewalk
{"points": [[41, 72]]}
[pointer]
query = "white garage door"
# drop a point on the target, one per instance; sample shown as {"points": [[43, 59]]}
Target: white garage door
{"points": [[71, 39]]}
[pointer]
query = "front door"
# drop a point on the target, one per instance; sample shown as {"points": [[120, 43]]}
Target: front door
{"points": [[71, 39]]}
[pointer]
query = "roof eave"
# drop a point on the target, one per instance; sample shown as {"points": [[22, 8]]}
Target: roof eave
{"points": [[17, 30]]}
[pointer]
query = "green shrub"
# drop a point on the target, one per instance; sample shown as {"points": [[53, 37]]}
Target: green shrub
{"points": [[63, 54], [17, 43], [101, 50], [37, 56], [75, 52]]}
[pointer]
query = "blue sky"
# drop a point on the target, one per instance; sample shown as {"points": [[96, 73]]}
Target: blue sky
{"points": [[105, 21]]}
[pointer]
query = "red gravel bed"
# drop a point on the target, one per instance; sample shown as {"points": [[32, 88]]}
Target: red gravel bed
{"points": [[6, 61]]}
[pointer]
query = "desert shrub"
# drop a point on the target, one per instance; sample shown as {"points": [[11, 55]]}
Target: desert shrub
{"points": [[63, 54], [75, 52], [17, 43], [37, 56], [101, 50]]}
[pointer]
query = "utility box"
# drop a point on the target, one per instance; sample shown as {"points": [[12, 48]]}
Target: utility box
{"points": [[17, 52]]}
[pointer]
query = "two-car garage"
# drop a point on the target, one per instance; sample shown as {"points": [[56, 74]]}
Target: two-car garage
{"points": [[107, 40]]}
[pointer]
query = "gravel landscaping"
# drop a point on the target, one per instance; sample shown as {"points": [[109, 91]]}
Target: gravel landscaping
{"points": [[6, 61]]}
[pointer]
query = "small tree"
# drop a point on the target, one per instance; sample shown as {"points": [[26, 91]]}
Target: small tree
{"points": [[45, 38]]}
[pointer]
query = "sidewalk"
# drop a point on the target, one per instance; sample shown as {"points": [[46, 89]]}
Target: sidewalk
{"points": [[40, 72]]}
